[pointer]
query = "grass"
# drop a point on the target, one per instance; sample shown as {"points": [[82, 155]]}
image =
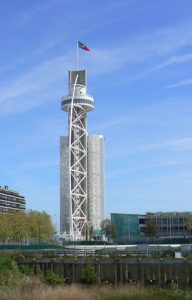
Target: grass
{"points": [[34, 289], [19, 284]]}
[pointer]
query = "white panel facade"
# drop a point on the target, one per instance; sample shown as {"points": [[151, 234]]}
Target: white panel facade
{"points": [[95, 180], [65, 214]]}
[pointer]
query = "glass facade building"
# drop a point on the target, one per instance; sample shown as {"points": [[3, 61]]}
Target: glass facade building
{"points": [[127, 228], [132, 228], [171, 224]]}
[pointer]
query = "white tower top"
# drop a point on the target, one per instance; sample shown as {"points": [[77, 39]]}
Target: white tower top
{"points": [[80, 92]]}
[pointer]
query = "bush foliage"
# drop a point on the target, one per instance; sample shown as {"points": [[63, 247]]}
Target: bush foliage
{"points": [[19, 227], [89, 275], [54, 279]]}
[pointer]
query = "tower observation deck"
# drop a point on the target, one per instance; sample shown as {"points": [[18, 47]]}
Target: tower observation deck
{"points": [[76, 205]]}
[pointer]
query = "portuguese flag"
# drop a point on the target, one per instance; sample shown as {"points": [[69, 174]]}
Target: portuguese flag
{"points": [[83, 46]]}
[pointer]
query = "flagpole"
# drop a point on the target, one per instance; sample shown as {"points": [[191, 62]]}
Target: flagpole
{"points": [[77, 55]]}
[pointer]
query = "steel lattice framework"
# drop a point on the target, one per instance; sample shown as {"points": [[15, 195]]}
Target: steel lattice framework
{"points": [[77, 104], [78, 170]]}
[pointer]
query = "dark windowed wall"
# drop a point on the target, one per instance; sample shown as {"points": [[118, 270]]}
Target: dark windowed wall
{"points": [[171, 224], [131, 228], [127, 228], [11, 200]]}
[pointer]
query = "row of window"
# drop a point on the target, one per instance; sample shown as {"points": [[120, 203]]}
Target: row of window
{"points": [[12, 198], [166, 221], [68, 101], [4, 209], [172, 228], [8, 204], [8, 192]]}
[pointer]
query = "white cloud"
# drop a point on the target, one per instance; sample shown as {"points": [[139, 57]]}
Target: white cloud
{"points": [[140, 49], [130, 169], [33, 88], [112, 123], [39, 164], [173, 145], [173, 60], [151, 114], [180, 144], [177, 59], [29, 90], [180, 83]]}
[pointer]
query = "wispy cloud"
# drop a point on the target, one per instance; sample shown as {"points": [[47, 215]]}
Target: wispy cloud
{"points": [[173, 60], [177, 59], [112, 123], [27, 14], [29, 90], [150, 115], [180, 83], [174, 145], [180, 144], [40, 164], [45, 134], [130, 169]]}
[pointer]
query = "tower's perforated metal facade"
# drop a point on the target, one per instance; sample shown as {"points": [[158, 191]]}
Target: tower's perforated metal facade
{"points": [[64, 185], [95, 180]]}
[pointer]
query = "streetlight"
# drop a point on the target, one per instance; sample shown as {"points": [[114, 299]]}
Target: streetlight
{"points": [[169, 230], [129, 230]]}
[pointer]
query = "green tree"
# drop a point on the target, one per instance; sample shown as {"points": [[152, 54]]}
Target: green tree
{"points": [[9, 271], [89, 274], [19, 228], [89, 231], [40, 225], [151, 229], [108, 227], [189, 227], [4, 227]]}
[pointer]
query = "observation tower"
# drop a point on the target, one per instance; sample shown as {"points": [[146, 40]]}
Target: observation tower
{"points": [[74, 182]]}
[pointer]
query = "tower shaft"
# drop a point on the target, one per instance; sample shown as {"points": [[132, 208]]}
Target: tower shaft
{"points": [[77, 103], [82, 173], [78, 171]]}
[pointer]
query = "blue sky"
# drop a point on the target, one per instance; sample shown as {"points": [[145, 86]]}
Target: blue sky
{"points": [[140, 73]]}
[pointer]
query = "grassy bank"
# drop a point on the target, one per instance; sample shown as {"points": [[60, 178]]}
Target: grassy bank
{"points": [[20, 284], [35, 290]]}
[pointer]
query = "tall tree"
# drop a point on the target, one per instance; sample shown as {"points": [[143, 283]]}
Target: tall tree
{"points": [[151, 229], [108, 227], [41, 227], [4, 227], [19, 229], [89, 231], [189, 226]]}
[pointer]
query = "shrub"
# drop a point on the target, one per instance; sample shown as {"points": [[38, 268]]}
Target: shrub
{"points": [[54, 279], [89, 275], [25, 269], [9, 271]]}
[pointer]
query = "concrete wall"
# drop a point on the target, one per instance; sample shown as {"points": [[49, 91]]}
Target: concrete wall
{"points": [[116, 271]]}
